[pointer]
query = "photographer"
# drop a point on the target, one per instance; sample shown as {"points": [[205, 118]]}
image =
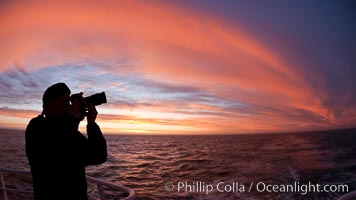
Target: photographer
{"points": [[57, 151]]}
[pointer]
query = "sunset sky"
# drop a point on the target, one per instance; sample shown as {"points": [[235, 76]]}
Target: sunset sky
{"points": [[184, 67]]}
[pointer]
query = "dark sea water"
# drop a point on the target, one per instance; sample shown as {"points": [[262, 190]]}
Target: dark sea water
{"points": [[148, 164]]}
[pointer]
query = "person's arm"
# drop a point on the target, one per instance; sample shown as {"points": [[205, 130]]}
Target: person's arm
{"points": [[36, 146], [95, 151], [30, 144], [97, 148]]}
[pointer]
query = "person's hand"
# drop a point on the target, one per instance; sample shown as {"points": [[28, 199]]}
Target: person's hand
{"points": [[92, 113], [75, 108]]}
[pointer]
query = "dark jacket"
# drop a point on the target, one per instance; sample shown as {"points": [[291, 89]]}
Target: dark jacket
{"points": [[58, 153]]}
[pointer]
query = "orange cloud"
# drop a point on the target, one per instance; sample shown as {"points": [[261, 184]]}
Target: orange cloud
{"points": [[18, 113]]}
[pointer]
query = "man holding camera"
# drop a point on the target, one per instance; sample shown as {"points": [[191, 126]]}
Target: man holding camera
{"points": [[57, 151]]}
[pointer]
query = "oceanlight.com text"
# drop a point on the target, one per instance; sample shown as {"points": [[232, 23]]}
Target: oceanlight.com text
{"points": [[226, 187], [301, 188]]}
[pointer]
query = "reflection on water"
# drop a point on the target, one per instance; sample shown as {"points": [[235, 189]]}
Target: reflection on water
{"points": [[147, 163]]}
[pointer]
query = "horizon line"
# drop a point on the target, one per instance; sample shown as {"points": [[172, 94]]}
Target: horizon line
{"points": [[209, 134]]}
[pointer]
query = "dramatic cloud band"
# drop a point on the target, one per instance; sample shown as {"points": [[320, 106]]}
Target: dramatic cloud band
{"points": [[166, 69]]}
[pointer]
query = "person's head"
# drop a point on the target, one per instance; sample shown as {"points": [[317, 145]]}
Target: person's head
{"points": [[56, 101]]}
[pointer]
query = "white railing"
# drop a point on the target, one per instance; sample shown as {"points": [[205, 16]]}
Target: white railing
{"points": [[100, 184]]}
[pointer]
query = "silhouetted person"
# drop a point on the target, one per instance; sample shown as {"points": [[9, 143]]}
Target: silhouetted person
{"points": [[57, 151]]}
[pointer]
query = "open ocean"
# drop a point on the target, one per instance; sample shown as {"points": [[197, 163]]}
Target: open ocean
{"points": [[152, 164]]}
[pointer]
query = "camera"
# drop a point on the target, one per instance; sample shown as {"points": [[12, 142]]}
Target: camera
{"points": [[95, 99]]}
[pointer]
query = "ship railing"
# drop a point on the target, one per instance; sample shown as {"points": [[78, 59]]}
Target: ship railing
{"points": [[101, 186]]}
